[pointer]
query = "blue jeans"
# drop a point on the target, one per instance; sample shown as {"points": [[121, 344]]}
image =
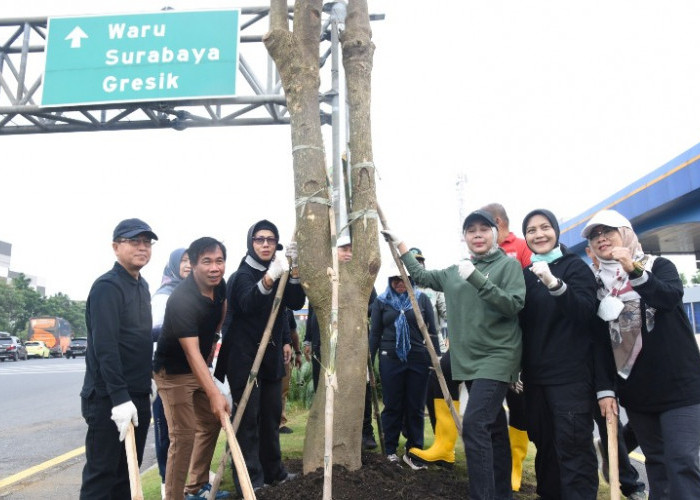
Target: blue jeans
{"points": [[670, 441], [160, 431], [486, 442]]}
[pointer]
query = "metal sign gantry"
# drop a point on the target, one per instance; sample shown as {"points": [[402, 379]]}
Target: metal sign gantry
{"points": [[260, 100]]}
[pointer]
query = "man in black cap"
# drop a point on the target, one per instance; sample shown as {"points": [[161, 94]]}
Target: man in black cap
{"points": [[117, 380]]}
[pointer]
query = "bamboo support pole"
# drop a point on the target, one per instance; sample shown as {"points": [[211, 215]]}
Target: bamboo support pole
{"points": [[613, 459], [375, 402], [239, 462], [330, 373], [132, 461]]}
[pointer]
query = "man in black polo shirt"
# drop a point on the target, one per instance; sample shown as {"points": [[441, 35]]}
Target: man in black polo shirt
{"points": [[117, 380], [194, 406]]}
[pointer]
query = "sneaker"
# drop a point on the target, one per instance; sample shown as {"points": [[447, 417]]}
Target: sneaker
{"points": [[291, 476], [394, 459], [414, 465], [285, 430], [368, 443], [637, 495], [162, 491], [602, 459], [204, 491]]}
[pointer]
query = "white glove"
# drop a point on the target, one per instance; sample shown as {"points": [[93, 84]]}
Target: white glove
{"points": [[391, 237], [541, 270], [123, 414], [277, 267], [292, 253], [517, 387], [154, 391], [465, 268]]}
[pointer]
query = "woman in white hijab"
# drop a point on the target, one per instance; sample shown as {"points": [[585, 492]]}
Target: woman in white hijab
{"points": [[654, 353]]}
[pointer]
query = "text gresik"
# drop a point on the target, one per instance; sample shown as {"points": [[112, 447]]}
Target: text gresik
{"points": [[164, 55]]}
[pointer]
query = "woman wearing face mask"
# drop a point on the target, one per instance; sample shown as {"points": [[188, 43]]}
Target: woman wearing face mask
{"points": [[654, 352], [484, 295], [558, 363], [176, 270], [403, 363]]}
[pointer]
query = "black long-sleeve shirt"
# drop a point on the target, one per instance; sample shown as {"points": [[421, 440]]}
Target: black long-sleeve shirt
{"points": [[558, 333], [249, 306], [666, 374], [120, 348], [383, 332]]}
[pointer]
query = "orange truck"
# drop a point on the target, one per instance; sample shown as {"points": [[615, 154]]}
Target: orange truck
{"points": [[55, 332]]}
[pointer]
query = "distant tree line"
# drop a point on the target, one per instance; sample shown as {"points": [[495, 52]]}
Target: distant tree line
{"points": [[19, 302]]}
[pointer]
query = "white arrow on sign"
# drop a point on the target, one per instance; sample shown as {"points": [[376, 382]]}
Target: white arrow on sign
{"points": [[75, 37]]}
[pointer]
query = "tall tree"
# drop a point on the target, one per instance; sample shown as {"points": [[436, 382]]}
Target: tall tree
{"points": [[296, 55]]}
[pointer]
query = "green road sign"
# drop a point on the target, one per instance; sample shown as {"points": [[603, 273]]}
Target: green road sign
{"points": [[141, 57]]}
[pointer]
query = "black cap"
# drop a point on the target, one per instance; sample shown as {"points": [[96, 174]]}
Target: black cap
{"points": [[476, 215], [417, 253], [128, 228]]}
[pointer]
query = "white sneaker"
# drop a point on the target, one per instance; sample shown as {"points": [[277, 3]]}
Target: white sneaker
{"points": [[162, 491], [414, 465], [393, 458]]}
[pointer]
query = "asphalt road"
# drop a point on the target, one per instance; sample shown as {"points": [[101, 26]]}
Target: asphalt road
{"points": [[40, 421]]}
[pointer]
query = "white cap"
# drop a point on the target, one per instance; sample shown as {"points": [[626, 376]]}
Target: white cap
{"points": [[610, 218], [343, 240]]}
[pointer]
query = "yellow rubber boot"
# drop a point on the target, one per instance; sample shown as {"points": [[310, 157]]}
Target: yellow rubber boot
{"points": [[518, 449], [442, 452]]}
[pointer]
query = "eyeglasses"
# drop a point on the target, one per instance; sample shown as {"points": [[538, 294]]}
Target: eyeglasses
{"points": [[605, 233], [261, 240], [135, 242]]}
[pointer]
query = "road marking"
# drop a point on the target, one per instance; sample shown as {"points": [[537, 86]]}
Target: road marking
{"points": [[46, 465], [41, 467], [25, 370]]}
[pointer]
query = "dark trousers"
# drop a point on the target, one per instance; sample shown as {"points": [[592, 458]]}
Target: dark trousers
{"points": [[670, 441], [516, 410], [434, 389], [560, 423], [315, 364], [629, 477], [258, 434], [404, 389], [106, 475], [160, 431], [367, 429], [486, 442]]}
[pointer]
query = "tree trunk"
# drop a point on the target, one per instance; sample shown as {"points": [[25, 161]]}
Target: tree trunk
{"points": [[296, 55]]}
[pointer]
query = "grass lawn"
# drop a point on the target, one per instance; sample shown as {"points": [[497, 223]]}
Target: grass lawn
{"points": [[292, 448]]}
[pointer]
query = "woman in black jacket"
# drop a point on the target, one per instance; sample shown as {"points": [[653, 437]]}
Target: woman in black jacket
{"points": [[403, 364], [558, 343], [653, 350], [250, 294]]}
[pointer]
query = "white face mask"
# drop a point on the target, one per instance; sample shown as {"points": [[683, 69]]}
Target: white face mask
{"points": [[610, 308]]}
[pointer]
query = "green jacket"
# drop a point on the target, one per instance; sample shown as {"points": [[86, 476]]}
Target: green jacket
{"points": [[482, 315]]}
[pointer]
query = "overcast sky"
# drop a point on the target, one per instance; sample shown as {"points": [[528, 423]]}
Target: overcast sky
{"points": [[539, 103]]}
